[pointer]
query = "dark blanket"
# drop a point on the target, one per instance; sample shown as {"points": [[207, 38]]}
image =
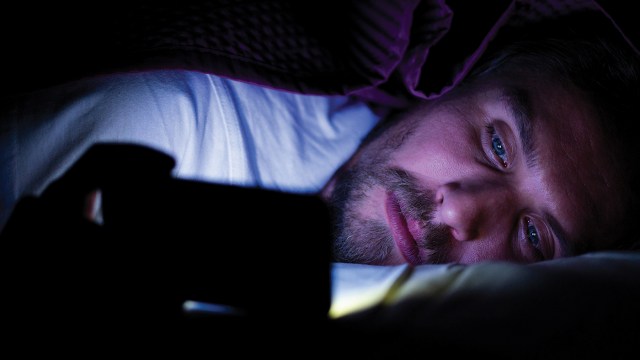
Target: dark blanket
{"points": [[389, 52]]}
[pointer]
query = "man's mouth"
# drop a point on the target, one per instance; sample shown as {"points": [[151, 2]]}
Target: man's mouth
{"points": [[401, 230]]}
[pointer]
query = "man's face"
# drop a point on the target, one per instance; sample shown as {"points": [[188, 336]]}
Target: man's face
{"points": [[510, 168]]}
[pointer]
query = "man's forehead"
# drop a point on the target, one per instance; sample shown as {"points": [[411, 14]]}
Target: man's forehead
{"points": [[572, 167], [575, 158]]}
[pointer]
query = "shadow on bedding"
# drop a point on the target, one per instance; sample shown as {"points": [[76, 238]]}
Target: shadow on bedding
{"points": [[74, 285]]}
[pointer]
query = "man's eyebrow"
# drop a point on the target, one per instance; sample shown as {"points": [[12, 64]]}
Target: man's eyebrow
{"points": [[518, 102], [566, 248]]}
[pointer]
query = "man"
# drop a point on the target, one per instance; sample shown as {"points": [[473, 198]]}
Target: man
{"points": [[529, 160], [526, 161], [517, 164]]}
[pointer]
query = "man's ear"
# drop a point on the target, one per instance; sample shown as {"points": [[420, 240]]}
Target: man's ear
{"points": [[327, 190]]}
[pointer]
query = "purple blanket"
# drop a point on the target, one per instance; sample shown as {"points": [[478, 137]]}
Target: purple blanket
{"points": [[386, 51]]}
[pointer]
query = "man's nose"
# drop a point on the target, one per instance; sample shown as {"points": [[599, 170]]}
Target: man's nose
{"points": [[472, 211]]}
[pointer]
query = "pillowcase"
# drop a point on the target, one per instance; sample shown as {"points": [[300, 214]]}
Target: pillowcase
{"points": [[578, 306], [278, 140]]}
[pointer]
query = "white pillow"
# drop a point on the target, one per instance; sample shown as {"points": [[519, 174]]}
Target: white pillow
{"points": [[217, 130]]}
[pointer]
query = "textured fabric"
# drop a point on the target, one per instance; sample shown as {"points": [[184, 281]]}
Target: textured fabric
{"points": [[387, 51]]}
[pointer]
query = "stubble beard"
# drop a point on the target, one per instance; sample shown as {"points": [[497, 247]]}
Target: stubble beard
{"points": [[369, 241]]}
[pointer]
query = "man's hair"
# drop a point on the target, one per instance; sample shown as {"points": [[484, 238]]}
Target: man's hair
{"points": [[585, 50]]}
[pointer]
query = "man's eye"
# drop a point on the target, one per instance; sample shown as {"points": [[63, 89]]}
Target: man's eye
{"points": [[533, 237], [497, 146]]}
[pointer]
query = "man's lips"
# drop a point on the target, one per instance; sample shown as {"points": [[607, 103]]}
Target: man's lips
{"points": [[400, 230]]}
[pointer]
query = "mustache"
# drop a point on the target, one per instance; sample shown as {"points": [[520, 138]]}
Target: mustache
{"points": [[418, 203]]}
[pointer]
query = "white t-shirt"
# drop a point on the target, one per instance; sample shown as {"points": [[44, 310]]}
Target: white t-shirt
{"points": [[217, 130]]}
